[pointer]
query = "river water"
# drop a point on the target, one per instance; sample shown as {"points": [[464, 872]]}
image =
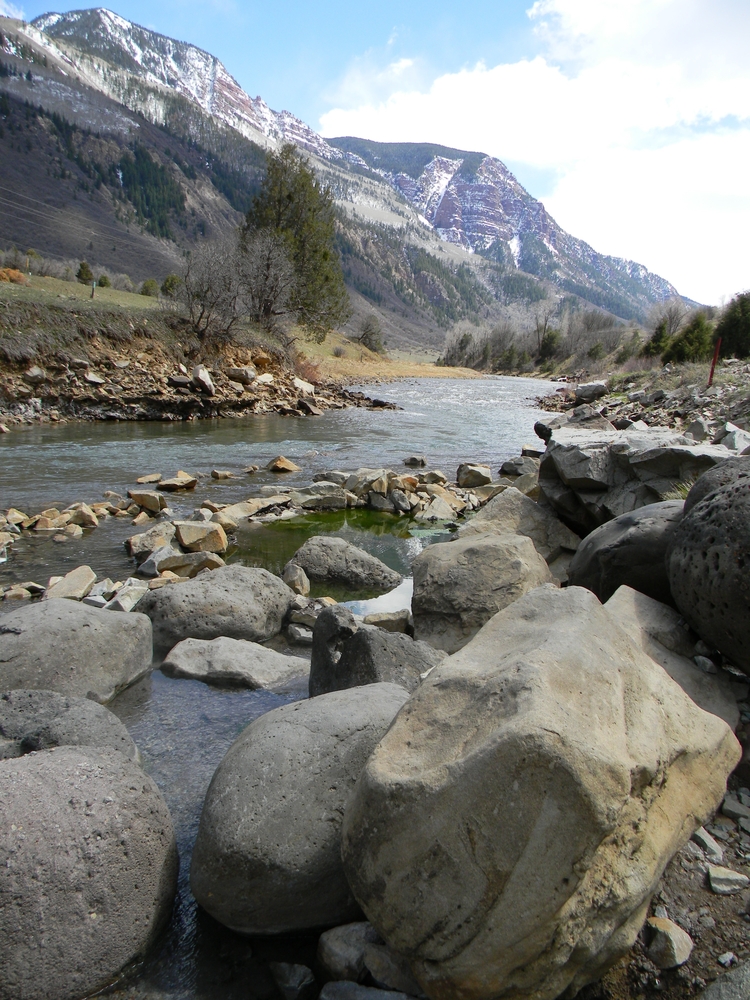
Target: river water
{"points": [[184, 728]]}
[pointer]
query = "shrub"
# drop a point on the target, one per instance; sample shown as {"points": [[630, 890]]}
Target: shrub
{"points": [[170, 285], [695, 343], [84, 273], [734, 328], [338, 351], [104, 281], [150, 287], [596, 351]]}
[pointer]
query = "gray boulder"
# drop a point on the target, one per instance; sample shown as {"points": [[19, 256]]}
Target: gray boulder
{"points": [[592, 476], [730, 471], [734, 985], [225, 662], [141, 546], [268, 854], [235, 601], [328, 559], [353, 991], [508, 831], [364, 655], [521, 466], [510, 512], [39, 720], [60, 645], [89, 867], [341, 950], [708, 563], [629, 551], [459, 585]]}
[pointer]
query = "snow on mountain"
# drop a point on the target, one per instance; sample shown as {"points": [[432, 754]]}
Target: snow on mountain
{"points": [[470, 200]]}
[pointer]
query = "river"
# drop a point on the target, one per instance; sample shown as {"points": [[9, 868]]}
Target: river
{"points": [[184, 728]]}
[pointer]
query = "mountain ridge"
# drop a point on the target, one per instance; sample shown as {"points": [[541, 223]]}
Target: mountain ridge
{"points": [[420, 222]]}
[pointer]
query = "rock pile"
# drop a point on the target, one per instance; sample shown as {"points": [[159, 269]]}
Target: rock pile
{"points": [[150, 386]]}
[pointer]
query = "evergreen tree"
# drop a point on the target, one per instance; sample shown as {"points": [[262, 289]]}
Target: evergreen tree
{"points": [[292, 204], [84, 273], [695, 343], [658, 342], [734, 328]]}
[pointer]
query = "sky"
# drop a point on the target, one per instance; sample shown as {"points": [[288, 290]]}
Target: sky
{"points": [[629, 119]]}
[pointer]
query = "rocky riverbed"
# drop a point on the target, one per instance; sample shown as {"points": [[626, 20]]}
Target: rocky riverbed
{"points": [[519, 777]]}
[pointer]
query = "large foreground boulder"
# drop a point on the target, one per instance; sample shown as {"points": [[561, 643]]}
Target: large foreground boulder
{"points": [[328, 559], [662, 633], [225, 662], [709, 570], [88, 871], [60, 645], [629, 551], [508, 831], [347, 655], [236, 601], [268, 854], [510, 512], [459, 585], [40, 720]]}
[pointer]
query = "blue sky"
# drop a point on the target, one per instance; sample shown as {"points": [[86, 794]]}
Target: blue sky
{"points": [[630, 119]]}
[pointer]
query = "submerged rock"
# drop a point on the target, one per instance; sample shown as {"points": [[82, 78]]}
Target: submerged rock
{"points": [[225, 662], [333, 560]]}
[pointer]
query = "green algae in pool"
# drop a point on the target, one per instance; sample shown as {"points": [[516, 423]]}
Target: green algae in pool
{"points": [[395, 540]]}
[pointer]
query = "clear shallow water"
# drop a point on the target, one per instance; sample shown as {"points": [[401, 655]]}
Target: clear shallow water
{"points": [[184, 728]]}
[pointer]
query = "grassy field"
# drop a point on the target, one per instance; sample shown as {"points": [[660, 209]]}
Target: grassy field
{"points": [[50, 291]]}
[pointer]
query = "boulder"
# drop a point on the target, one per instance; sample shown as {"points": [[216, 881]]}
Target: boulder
{"points": [[354, 991], [508, 831], [661, 632], [79, 651], [267, 858], [296, 578], [521, 466], [730, 471], [201, 379], [227, 662], [74, 586], [590, 476], [364, 655], [281, 464], [461, 584], [469, 475], [149, 499], [707, 565], [244, 374], [235, 601], [201, 537], [89, 871], [734, 985], [670, 945], [128, 596], [178, 483], [589, 391], [141, 546], [510, 512], [39, 720], [629, 551], [341, 950], [392, 621], [329, 559], [437, 510]]}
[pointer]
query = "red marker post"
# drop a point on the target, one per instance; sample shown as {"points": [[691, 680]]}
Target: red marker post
{"points": [[713, 363]]}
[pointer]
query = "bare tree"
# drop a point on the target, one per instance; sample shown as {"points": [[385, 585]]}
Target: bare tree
{"points": [[267, 277], [672, 312], [543, 313], [211, 287]]}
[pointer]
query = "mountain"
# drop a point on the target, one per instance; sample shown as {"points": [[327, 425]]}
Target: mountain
{"points": [[428, 235]]}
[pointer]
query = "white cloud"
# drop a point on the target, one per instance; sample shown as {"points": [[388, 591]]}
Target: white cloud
{"points": [[641, 107], [10, 10]]}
